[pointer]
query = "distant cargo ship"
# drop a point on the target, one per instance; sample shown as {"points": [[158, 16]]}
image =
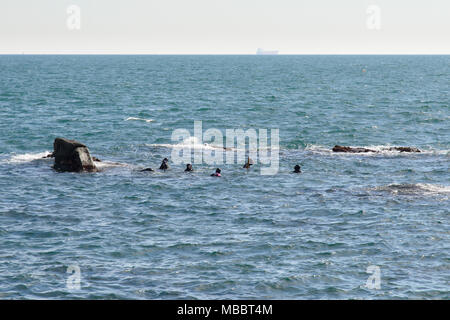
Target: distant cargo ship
{"points": [[262, 51]]}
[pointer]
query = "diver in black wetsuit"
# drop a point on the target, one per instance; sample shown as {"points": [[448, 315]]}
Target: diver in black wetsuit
{"points": [[164, 166], [248, 163], [188, 168], [297, 169]]}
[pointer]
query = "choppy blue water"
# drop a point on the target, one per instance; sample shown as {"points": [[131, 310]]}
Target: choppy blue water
{"points": [[174, 235]]}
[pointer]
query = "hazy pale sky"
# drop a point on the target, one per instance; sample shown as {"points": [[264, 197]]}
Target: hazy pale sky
{"points": [[225, 27]]}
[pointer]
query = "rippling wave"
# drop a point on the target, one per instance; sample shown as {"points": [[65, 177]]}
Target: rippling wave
{"points": [[27, 157], [414, 189], [192, 142], [138, 119]]}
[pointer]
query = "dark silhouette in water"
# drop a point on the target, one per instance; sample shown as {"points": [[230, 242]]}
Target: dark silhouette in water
{"points": [[350, 149], [337, 148], [297, 169], [248, 163], [188, 168], [404, 149], [217, 173], [164, 166], [72, 156], [147, 169]]}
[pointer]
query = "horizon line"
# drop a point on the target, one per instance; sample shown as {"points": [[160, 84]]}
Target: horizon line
{"points": [[210, 54]]}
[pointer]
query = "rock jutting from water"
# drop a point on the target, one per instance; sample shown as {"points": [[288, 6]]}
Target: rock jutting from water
{"points": [[404, 149], [72, 156], [350, 149], [338, 148]]}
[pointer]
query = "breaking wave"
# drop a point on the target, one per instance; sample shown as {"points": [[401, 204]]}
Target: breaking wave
{"points": [[195, 144], [27, 157], [109, 164], [413, 189], [191, 142], [138, 119]]}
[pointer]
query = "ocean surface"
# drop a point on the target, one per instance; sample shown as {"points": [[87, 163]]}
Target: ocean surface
{"points": [[175, 235]]}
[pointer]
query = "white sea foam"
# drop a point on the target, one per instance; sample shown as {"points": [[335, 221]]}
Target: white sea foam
{"points": [[195, 144], [191, 142], [138, 119], [27, 157], [414, 189], [108, 164]]}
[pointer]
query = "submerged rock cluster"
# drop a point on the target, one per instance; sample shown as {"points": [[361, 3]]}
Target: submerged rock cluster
{"points": [[338, 148]]}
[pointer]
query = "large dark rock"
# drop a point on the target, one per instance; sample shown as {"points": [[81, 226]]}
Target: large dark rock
{"points": [[350, 149], [405, 149], [72, 156], [360, 150]]}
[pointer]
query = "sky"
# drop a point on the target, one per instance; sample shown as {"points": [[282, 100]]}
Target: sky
{"points": [[225, 27]]}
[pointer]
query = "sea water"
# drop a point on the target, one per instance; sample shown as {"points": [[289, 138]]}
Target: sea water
{"points": [[121, 233]]}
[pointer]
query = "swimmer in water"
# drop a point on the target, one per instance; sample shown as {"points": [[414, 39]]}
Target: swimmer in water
{"points": [[164, 166], [217, 173], [188, 168], [147, 169], [297, 169], [248, 163]]}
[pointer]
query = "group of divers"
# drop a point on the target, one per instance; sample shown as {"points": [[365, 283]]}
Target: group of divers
{"points": [[165, 165]]}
